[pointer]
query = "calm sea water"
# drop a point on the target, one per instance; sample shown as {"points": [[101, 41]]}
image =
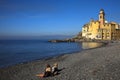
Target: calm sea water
{"points": [[19, 51]]}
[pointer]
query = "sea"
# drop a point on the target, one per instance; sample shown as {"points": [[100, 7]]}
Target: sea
{"points": [[19, 51]]}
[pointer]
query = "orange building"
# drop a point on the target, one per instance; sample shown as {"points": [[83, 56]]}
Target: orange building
{"points": [[101, 29]]}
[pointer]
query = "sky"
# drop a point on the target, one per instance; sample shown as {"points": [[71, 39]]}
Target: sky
{"points": [[52, 17]]}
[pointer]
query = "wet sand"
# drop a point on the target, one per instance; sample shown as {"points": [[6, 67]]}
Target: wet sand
{"points": [[101, 63]]}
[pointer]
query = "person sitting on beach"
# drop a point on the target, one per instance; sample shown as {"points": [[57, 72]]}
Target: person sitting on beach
{"points": [[55, 69], [48, 72]]}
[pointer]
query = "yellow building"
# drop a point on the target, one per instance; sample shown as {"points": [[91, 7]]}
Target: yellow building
{"points": [[101, 29]]}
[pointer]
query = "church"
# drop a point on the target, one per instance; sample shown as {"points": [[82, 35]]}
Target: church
{"points": [[101, 29]]}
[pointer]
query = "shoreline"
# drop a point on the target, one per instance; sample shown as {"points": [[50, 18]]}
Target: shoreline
{"points": [[86, 64], [50, 57]]}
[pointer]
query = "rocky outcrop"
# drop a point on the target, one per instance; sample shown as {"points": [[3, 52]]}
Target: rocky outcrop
{"points": [[67, 40], [77, 38]]}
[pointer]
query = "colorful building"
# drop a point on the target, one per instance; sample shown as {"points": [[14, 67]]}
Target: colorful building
{"points": [[101, 29]]}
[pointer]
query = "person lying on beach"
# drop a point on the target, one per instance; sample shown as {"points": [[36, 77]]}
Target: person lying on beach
{"points": [[55, 69], [48, 72]]}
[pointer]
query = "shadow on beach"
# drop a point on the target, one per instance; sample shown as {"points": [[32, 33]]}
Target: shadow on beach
{"points": [[59, 70]]}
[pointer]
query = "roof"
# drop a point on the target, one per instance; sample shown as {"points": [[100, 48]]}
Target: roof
{"points": [[113, 23]]}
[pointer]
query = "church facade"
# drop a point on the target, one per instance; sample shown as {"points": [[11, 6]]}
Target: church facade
{"points": [[101, 29]]}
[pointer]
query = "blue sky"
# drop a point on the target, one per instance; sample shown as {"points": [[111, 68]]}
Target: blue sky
{"points": [[52, 17]]}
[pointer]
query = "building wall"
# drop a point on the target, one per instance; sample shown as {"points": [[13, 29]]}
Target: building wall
{"points": [[94, 31]]}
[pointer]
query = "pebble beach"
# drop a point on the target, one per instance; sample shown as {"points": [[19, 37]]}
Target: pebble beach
{"points": [[101, 63]]}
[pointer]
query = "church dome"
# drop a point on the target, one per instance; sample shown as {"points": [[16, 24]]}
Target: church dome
{"points": [[102, 11]]}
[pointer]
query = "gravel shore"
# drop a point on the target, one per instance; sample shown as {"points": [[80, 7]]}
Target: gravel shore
{"points": [[94, 64]]}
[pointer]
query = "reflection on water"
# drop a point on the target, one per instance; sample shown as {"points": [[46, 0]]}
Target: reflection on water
{"points": [[88, 45]]}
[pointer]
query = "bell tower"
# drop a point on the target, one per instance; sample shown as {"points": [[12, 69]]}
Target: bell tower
{"points": [[102, 17]]}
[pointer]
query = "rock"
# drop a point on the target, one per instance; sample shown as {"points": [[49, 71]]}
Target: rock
{"points": [[68, 40]]}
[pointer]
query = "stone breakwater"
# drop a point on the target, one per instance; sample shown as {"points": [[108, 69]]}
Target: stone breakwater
{"points": [[94, 64]]}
